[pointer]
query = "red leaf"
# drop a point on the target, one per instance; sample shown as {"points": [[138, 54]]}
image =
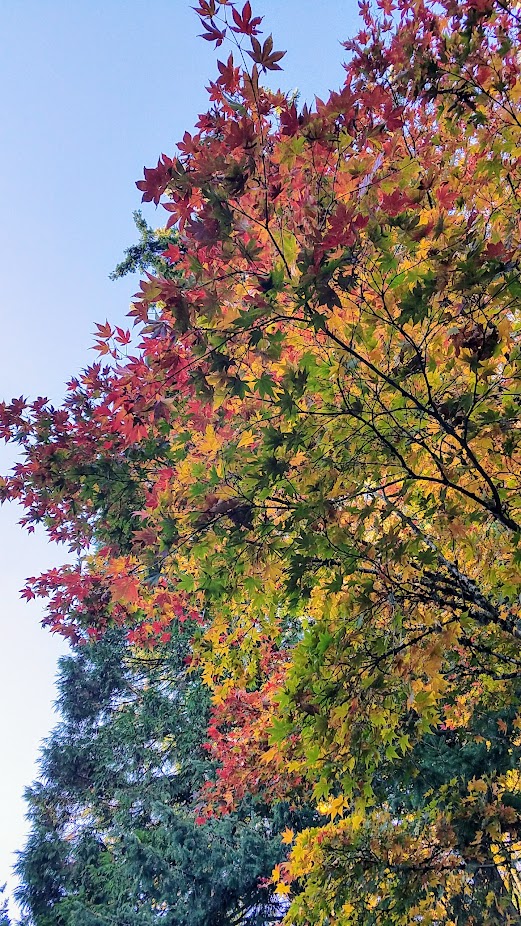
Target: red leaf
{"points": [[289, 121], [396, 202], [495, 250], [446, 196], [229, 78], [187, 144], [156, 180], [161, 411], [212, 34], [172, 253], [206, 8], [122, 337], [265, 56], [243, 21], [104, 331]]}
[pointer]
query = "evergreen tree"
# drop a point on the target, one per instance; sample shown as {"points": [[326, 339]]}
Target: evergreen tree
{"points": [[114, 835], [4, 914], [148, 253]]}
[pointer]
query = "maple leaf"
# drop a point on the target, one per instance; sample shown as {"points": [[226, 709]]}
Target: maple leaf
{"points": [[173, 253], [446, 196], [104, 331], [102, 348], [495, 250], [244, 23], [156, 180], [213, 33], [282, 889], [289, 120], [122, 336], [125, 589], [395, 202], [264, 55], [229, 75], [477, 785], [161, 411], [206, 8], [187, 145]]}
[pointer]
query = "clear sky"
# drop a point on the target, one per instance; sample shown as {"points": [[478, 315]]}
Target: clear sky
{"points": [[90, 92]]}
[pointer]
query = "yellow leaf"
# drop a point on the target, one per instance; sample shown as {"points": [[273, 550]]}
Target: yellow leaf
{"points": [[287, 837], [297, 459], [247, 438], [269, 755], [334, 808], [282, 889], [356, 819], [209, 442]]}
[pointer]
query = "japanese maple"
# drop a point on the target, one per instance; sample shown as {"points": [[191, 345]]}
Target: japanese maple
{"points": [[322, 426]]}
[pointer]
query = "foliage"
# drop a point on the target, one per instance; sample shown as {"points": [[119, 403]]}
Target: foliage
{"points": [[149, 251], [4, 913], [113, 831], [322, 422]]}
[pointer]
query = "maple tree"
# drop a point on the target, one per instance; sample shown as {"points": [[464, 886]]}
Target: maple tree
{"points": [[320, 430]]}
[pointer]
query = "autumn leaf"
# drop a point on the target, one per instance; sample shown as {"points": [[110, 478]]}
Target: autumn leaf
{"points": [[264, 55], [213, 33], [245, 24], [125, 590]]}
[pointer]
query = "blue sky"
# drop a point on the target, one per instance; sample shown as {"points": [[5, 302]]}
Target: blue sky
{"points": [[91, 92]]}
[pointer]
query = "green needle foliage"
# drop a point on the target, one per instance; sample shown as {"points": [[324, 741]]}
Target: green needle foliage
{"points": [[4, 914], [147, 253], [114, 836]]}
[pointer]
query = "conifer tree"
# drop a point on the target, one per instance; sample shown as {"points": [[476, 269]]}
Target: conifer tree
{"points": [[4, 914], [114, 836]]}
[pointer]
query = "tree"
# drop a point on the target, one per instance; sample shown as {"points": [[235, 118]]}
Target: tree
{"points": [[4, 913], [148, 253], [323, 418], [114, 836]]}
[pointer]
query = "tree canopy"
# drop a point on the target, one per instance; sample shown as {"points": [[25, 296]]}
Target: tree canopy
{"points": [[317, 439]]}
